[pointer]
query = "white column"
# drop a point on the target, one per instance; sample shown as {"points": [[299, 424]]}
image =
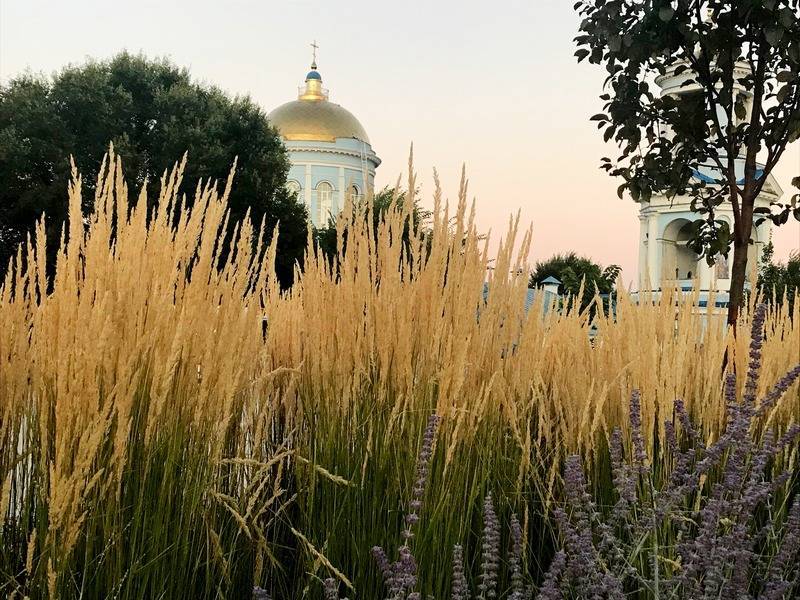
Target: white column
{"points": [[764, 232], [763, 235], [340, 202], [308, 194], [653, 254], [642, 251], [706, 274]]}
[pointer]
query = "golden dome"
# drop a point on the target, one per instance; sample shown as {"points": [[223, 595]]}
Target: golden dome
{"points": [[313, 118]]}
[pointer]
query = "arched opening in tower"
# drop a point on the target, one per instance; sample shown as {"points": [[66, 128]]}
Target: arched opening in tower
{"points": [[679, 261]]}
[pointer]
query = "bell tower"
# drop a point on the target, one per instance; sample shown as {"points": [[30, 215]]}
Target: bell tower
{"points": [[665, 260]]}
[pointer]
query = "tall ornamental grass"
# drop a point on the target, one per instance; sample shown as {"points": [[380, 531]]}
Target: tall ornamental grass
{"points": [[136, 428], [173, 425]]}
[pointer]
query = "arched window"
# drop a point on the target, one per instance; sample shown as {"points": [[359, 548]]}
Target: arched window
{"points": [[686, 258], [678, 257], [324, 201], [355, 193], [293, 186]]}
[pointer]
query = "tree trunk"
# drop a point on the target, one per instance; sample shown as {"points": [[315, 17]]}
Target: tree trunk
{"points": [[741, 245]]}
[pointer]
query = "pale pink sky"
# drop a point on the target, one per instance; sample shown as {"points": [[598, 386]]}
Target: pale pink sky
{"points": [[490, 84]]}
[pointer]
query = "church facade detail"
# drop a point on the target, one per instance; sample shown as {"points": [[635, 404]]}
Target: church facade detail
{"points": [[329, 150]]}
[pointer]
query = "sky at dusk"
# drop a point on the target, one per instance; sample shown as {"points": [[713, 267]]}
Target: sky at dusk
{"points": [[493, 85]]}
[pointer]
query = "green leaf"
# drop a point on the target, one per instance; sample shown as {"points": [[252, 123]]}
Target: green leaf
{"points": [[774, 34], [787, 17], [582, 54]]}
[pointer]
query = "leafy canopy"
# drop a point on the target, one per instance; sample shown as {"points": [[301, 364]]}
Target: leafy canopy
{"points": [[727, 50], [734, 114], [152, 112], [574, 271], [779, 279]]}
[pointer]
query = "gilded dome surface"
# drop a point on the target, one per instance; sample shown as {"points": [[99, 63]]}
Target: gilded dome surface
{"points": [[316, 120]]}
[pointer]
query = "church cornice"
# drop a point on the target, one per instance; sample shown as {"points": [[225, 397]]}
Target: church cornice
{"points": [[339, 151]]}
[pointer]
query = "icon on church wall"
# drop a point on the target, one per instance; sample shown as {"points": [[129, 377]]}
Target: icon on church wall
{"points": [[722, 267]]}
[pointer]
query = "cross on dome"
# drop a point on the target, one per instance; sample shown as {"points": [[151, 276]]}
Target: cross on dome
{"points": [[314, 47]]}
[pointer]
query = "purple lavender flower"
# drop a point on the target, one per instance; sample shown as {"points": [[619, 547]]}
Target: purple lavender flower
{"points": [[551, 587], [754, 364], [260, 594], [639, 455], [490, 551], [460, 588], [686, 421], [778, 390], [406, 569], [624, 480], [400, 577], [330, 589], [515, 560], [382, 561], [729, 389], [423, 472], [778, 586], [581, 569], [712, 505]]}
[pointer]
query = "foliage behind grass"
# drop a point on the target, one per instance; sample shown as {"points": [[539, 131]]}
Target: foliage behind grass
{"points": [[172, 424]]}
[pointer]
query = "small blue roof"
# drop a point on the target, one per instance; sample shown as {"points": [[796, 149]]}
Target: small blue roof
{"points": [[550, 280], [710, 179], [313, 75]]}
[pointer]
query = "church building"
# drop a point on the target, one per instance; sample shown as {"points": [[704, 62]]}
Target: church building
{"points": [[665, 261], [329, 150]]}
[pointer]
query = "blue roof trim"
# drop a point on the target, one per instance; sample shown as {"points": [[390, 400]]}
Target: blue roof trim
{"points": [[313, 75], [708, 179], [550, 279], [717, 304]]}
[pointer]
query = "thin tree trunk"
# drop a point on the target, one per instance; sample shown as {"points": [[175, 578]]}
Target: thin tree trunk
{"points": [[741, 245]]}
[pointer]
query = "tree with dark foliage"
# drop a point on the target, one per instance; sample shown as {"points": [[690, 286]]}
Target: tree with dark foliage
{"points": [[574, 271], [778, 279], [740, 110], [153, 113]]}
